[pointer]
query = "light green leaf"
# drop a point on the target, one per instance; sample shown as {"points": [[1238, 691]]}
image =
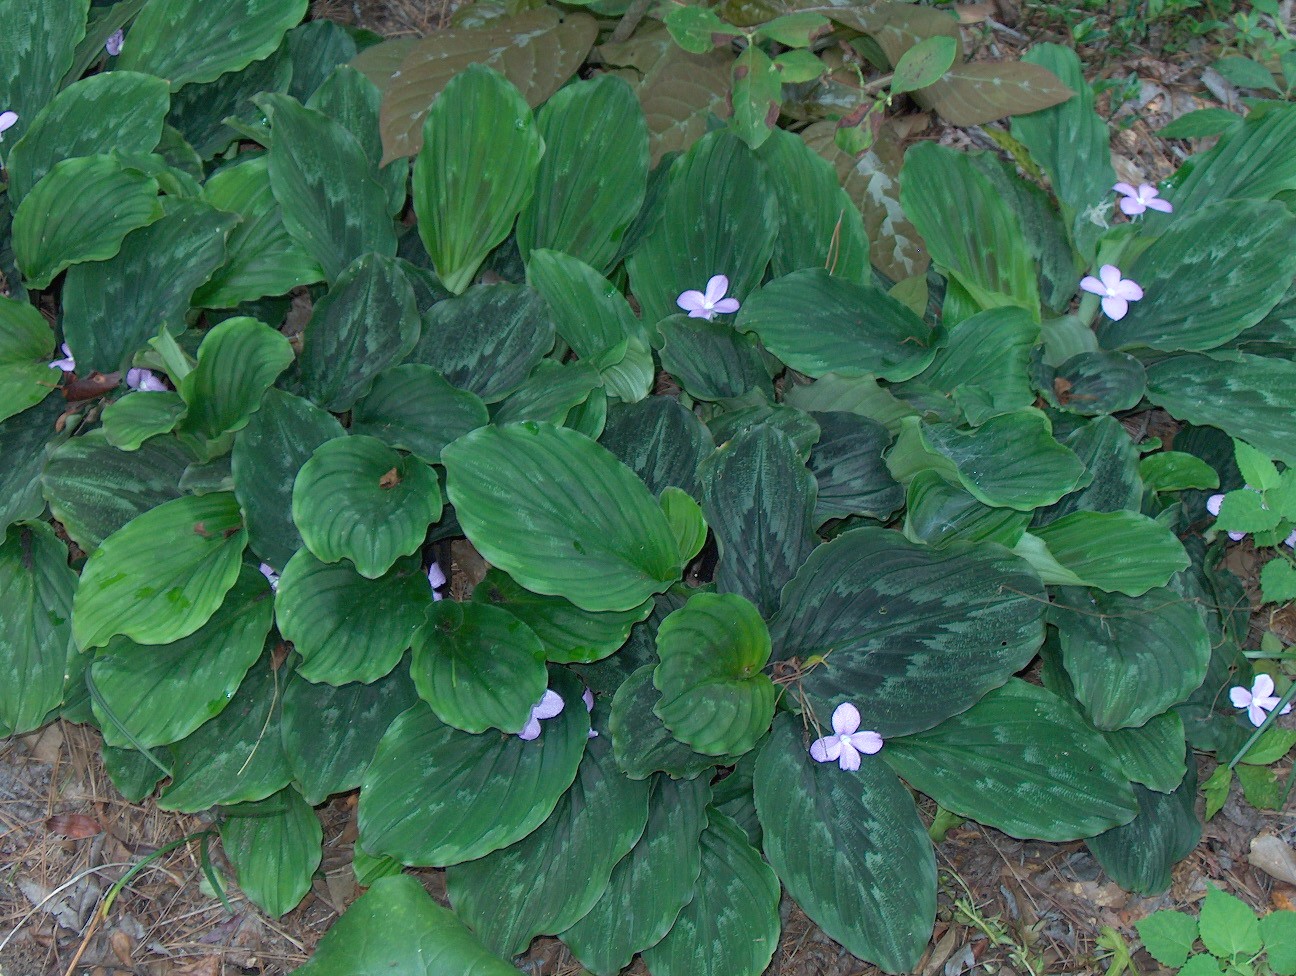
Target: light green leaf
{"points": [[1118, 552], [1229, 928], [475, 172], [697, 29], [1251, 161], [584, 528], [238, 361], [162, 575], [26, 341], [1168, 936], [757, 95], [274, 846], [1168, 471], [924, 64], [1279, 932]]}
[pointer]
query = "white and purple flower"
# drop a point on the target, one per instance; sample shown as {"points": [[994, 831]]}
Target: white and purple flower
{"points": [[1135, 200], [436, 579], [1116, 292], [549, 705], [848, 743], [707, 304], [7, 121], [114, 43], [1258, 701], [144, 380], [271, 576], [67, 364]]}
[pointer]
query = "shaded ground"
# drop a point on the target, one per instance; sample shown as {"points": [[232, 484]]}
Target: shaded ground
{"points": [[1006, 907]]}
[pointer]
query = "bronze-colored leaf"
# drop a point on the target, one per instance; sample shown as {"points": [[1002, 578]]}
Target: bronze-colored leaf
{"points": [[872, 182], [74, 826], [379, 62], [537, 51], [678, 94], [895, 26], [973, 94]]}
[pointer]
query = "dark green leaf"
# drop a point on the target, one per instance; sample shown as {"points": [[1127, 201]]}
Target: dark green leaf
{"points": [[984, 364], [212, 116], [1117, 552], [413, 408], [938, 513], [660, 441], [847, 464], [710, 360], [642, 743], [25, 344], [26, 440], [274, 845], [1153, 754]]}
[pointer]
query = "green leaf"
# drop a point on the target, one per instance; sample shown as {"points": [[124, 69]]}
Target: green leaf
{"points": [[238, 361], [330, 733], [1229, 928], [1168, 471], [1272, 746], [648, 887], [715, 697], [1200, 123], [437, 796], [849, 848], [188, 41], [261, 256], [757, 96], [984, 364], [549, 394], [568, 633], [891, 618], [584, 528], [115, 306], [367, 322], [278, 439], [413, 408], [536, 50], [36, 647], [1248, 397], [1261, 787], [80, 211], [1255, 467], [1168, 936], [396, 927], [817, 323], [119, 110], [1211, 275], [972, 233], [660, 441], [131, 772], [26, 440], [924, 64], [153, 696], [206, 116], [471, 180], [1022, 761], [938, 513], [640, 738], [1140, 854], [318, 47], [1246, 73], [820, 226], [710, 360], [1117, 552], [274, 846], [478, 666], [487, 340], [977, 92], [1278, 581], [93, 489], [798, 29], [686, 521], [594, 825], [37, 52], [25, 344], [759, 501], [851, 476], [1202, 964], [162, 575], [719, 216], [332, 205], [235, 757], [1101, 382], [697, 29], [796, 67], [346, 627], [358, 499], [593, 175], [1152, 754], [1279, 932]]}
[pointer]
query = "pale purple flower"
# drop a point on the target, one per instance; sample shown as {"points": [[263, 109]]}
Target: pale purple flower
{"points": [[587, 697], [549, 705], [67, 363], [1258, 701], [271, 576], [114, 43], [1134, 201], [436, 579], [144, 380], [705, 305], [1117, 292], [7, 121], [1213, 506], [1290, 541], [845, 747]]}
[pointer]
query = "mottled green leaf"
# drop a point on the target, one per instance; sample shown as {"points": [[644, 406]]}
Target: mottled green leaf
{"points": [[238, 361], [26, 341], [274, 845], [660, 441]]}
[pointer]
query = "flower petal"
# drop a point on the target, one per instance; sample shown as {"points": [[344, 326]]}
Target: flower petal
{"points": [[691, 300], [114, 43], [727, 306], [8, 120], [1239, 696], [271, 576], [1256, 714], [1092, 285], [850, 757], [1213, 503], [1109, 275], [1290, 541], [436, 576], [1128, 290], [550, 704], [716, 288], [587, 697], [826, 749], [1131, 207], [1115, 308], [1162, 205], [845, 718], [1237, 536], [702, 313], [1126, 189], [1285, 709], [531, 730], [869, 743], [1263, 686]]}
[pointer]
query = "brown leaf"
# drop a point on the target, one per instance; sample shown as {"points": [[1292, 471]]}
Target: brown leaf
{"points": [[122, 946], [390, 479], [537, 51], [973, 94], [679, 93], [379, 62], [895, 26], [74, 826]]}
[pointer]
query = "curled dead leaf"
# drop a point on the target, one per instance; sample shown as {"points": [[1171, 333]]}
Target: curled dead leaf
{"points": [[74, 826]]}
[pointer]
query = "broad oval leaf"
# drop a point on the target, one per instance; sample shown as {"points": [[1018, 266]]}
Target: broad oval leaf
{"points": [[36, 648], [642, 743], [358, 499], [80, 211], [152, 696], [938, 513], [437, 796], [396, 927], [731, 925], [345, 627], [414, 408], [584, 528], [25, 343], [478, 666], [162, 575], [594, 825], [1020, 760], [1118, 552], [660, 441], [890, 619], [475, 172], [274, 845], [714, 696], [924, 64], [849, 847], [710, 360], [985, 364], [818, 324], [1153, 754], [718, 217], [851, 477], [37, 52], [238, 361]]}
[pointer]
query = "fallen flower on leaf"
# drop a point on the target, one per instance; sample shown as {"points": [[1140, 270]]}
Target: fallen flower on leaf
{"points": [[67, 363], [847, 744], [144, 380], [1116, 292], [1258, 701], [7, 121], [114, 43], [549, 705], [1134, 201], [436, 579], [705, 305]]}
